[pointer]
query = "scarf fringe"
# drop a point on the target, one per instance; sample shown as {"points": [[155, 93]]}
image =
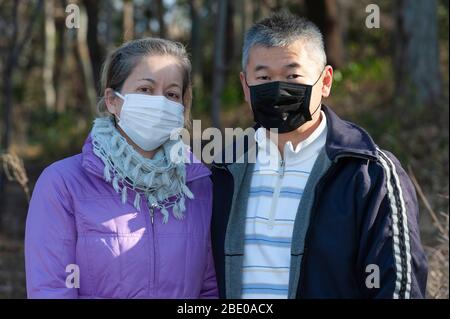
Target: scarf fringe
{"points": [[161, 181]]}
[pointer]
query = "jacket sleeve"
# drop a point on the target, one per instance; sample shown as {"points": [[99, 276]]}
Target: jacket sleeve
{"points": [[50, 239], [209, 288], [391, 259]]}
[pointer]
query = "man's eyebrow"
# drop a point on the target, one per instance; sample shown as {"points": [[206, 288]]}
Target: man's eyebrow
{"points": [[293, 65], [260, 67]]}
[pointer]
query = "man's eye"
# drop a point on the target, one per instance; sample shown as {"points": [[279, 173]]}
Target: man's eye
{"points": [[293, 76], [263, 78]]}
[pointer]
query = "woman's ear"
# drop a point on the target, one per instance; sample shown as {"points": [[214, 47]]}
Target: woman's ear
{"points": [[187, 103], [113, 102]]}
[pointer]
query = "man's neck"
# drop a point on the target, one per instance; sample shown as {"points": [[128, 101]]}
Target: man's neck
{"points": [[298, 135]]}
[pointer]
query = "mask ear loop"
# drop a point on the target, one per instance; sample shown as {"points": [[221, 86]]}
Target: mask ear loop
{"points": [[245, 79], [311, 91], [320, 75], [115, 115]]}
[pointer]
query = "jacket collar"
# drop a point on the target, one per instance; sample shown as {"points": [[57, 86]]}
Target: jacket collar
{"points": [[94, 165], [344, 139]]}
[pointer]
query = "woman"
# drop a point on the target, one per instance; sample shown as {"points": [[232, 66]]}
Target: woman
{"points": [[124, 219]]}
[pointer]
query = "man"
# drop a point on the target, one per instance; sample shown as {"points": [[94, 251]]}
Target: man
{"points": [[327, 214]]}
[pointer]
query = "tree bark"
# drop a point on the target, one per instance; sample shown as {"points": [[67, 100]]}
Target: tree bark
{"points": [[85, 61], [96, 52], [219, 63], [326, 15], [160, 11], [49, 55], [15, 48], [416, 58], [128, 20], [196, 51]]}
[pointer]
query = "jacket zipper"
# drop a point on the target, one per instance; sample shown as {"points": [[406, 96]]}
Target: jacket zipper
{"points": [[313, 211], [152, 214], [308, 232], [276, 194]]}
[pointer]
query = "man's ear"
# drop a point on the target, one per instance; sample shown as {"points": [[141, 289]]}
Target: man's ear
{"points": [[112, 102], [245, 88], [327, 81]]}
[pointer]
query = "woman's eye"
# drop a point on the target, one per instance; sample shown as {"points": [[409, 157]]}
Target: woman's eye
{"points": [[173, 96], [263, 78], [293, 76], [144, 90]]}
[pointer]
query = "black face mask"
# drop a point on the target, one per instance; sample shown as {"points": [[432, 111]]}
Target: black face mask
{"points": [[281, 105]]}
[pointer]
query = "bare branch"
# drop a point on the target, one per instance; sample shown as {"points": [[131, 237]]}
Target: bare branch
{"points": [[425, 200]]}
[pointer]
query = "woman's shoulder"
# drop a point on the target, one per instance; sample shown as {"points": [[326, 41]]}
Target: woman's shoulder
{"points": [[65, 166], [62, 170]]}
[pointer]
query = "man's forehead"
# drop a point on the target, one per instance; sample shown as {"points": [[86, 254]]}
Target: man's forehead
{"points": [[292, 53]]}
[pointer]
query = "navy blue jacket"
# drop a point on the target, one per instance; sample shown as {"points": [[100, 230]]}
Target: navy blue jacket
{"points": [[358, 218]]}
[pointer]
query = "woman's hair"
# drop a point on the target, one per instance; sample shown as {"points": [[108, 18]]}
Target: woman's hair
{"points": [[121, 62]]}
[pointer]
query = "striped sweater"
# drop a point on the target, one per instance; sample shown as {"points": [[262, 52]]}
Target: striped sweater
{"points": [[276, 189]]}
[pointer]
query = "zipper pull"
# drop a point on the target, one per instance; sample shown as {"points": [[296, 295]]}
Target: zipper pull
{"points": [[152, 212]]}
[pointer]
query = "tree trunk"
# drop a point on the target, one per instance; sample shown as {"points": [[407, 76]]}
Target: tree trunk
{"points": [[128, 21], [83, 53], [61, 58], [95, 50], [49, 56], [15, 49], [229, 38], [219, 63], [416, 59], [160, 11], [196, 50], [109, 43], [326, 15]]}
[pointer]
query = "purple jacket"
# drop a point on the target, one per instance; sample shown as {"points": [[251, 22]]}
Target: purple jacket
{"points": [[76, 218]]}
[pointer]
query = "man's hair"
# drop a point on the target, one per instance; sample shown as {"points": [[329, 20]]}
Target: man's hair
{"points": [[282, 29]]}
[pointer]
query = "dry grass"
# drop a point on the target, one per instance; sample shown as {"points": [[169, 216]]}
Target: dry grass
{"points": [[437, 254], [15, 171], [438, 274]]}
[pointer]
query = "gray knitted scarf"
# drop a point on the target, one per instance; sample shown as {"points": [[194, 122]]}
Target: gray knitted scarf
{"points": [[160, 180]]}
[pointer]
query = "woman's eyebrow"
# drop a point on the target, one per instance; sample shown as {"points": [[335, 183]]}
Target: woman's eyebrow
{"points": [[148, 80], [174, 84], [154, 82]]}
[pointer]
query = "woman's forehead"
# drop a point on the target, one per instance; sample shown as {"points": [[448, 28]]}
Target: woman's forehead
{"points": [[158, 68]]}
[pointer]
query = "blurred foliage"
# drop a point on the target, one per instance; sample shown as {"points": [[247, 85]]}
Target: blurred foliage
{"points": [[59, 134]]}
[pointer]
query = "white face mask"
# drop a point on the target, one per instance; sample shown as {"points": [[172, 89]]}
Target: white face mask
{"points": [[150, 120]]}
